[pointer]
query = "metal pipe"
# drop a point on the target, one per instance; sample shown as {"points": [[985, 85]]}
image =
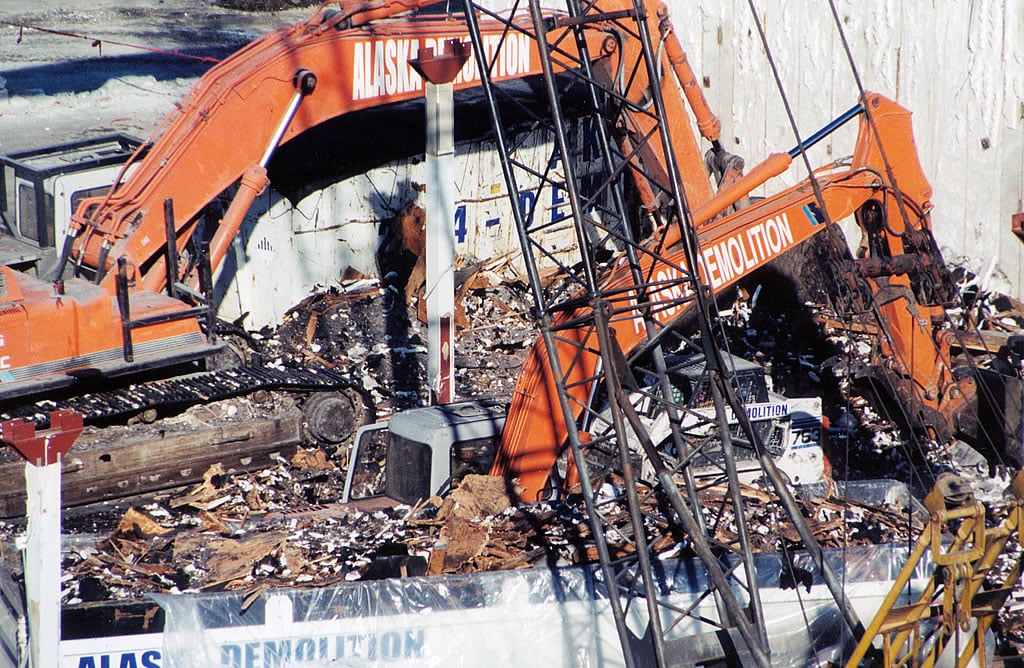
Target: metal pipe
{"points": [[43, 453], [254, 179], [305, 83], [831, 127], [124, 308], [172, 248]]}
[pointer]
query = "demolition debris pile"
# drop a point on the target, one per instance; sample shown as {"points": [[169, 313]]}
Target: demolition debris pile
{"points": [[255, 531], [374, 337], [283, 526]]}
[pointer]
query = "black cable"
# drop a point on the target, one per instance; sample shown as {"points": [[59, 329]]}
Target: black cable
{"points": [[789, 114]]}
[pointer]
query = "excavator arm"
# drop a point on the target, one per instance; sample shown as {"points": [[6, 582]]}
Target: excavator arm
{"points": [[882, 182]]}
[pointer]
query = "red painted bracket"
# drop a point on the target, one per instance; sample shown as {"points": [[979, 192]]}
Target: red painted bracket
{"points": [[442, 68], [45, 447], [1017, 225]]}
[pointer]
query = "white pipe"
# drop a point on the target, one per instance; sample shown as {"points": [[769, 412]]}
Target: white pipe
{"points": [[440, 242], [41, 559]]}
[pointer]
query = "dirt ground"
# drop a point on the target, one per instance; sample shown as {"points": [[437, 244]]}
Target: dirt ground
{"points": [[76, 70]]}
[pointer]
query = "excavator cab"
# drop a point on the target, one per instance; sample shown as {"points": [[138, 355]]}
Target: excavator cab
{"points": [[423, 451], [792, 429], [41, 188]]}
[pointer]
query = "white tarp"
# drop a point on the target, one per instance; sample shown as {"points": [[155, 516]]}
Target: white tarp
{"points": [[514, 618]]}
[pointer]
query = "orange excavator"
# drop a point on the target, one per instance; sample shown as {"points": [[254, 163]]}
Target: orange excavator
{"points": [[898, 274], [606, 382], [916, 344], [130, 292]]}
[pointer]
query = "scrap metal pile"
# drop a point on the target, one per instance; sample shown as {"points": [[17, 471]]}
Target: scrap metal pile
{"points": [[383, 346]]}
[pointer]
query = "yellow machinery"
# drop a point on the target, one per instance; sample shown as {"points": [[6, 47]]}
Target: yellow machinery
{"points": [[957, 606]]}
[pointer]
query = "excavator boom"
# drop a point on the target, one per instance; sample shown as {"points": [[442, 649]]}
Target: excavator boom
{"points": [[229, 125], [730, 248]]}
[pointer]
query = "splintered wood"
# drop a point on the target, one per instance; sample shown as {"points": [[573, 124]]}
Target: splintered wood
{"points": [[834, 522], [214, 537]]}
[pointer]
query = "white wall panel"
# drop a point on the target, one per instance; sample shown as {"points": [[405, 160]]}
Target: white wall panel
{"points": [[958, 66]]}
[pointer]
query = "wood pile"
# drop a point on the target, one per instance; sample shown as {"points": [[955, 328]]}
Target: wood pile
{"points": [[255, 531]]}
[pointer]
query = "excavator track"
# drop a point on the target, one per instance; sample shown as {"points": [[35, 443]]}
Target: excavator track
{"points": [[183, 391], [124, 459]]}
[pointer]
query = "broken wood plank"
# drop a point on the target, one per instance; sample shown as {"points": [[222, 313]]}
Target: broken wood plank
{"points": [[854, 327], [114, 468]]}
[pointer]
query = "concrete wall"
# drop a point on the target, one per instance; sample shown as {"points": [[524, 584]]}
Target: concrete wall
{"points": [[957, 64]]}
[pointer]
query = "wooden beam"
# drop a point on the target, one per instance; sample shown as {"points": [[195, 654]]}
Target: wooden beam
{"points": [[102, 466]]}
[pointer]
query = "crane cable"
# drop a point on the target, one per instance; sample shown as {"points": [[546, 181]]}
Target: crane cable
{"points": [[98, 42], [900, 202], [789, 114], [812, 178], [897, 194], [892, 180], [786, 555], [870, 118], [820, 197]]}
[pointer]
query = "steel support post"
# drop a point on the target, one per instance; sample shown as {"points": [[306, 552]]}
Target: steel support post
{"points": [[43, 453], [438, 71]]}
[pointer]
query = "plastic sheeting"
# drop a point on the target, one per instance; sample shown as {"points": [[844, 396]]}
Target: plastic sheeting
{"points": [[556, 617]]}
